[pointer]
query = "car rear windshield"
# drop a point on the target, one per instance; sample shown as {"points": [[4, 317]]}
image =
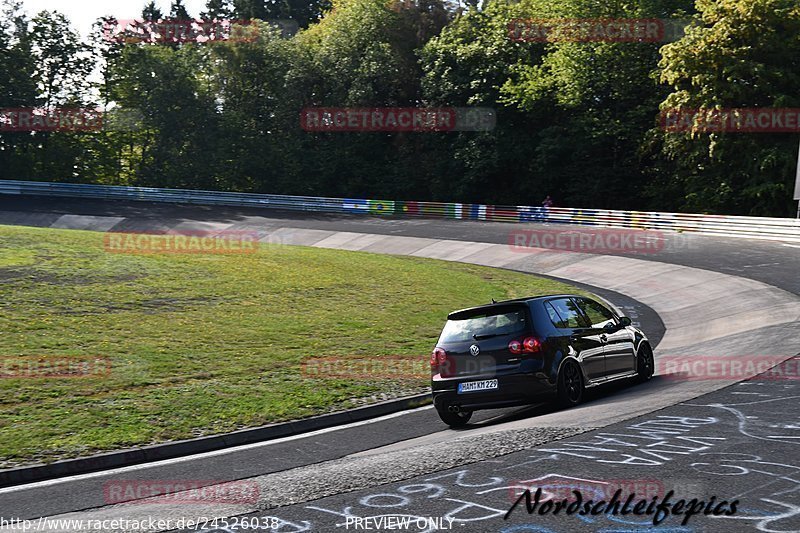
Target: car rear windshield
{"points": [[484, 324]]}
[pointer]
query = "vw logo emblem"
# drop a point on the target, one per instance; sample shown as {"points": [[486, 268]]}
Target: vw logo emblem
{"points": [[474, 350]]}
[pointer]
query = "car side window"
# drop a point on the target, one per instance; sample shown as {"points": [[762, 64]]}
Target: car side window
{"points": [[554, 318], [597, 314], [567, 314]]}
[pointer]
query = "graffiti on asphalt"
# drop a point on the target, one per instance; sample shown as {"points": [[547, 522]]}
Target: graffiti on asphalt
{"points": [[649, 443], [774, 484], [770, 497]]}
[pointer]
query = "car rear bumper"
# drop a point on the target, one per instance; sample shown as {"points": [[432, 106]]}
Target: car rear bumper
{"points": [[516, 389]]}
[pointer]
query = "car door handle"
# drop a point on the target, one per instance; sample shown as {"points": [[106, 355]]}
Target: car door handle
{"points": [[603, 338]]}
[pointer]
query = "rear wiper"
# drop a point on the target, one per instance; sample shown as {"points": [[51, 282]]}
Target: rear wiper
{"points": [[485, 336]]}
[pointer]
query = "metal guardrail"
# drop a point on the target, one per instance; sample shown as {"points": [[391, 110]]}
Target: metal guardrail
{"points": [[785, 229]]}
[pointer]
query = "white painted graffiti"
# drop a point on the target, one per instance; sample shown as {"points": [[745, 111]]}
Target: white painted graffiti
{"points": [[664, 436]]}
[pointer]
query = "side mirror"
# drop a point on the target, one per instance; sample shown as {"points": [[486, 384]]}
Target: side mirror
{"points": [[624, 321]]}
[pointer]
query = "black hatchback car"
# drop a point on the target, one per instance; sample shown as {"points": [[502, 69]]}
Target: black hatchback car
{"points": [[527, 350]]}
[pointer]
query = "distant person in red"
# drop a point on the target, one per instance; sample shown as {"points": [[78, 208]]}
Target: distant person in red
{"points": [[547, 202]]}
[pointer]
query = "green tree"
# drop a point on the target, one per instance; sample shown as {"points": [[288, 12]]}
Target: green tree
{"points": [[595, 101], [467, 65], [62, 71], [50, 54], [736, 54], [362, 54], [250, 9], [151, 11], [17, 89], [179, 131], [257, 115], [217, 10], [304, 12], [178, 11]]}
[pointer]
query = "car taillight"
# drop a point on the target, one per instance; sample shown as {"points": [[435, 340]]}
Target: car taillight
{"points": [[440, 363], [515, 347], [531, 345], [438, 356]]}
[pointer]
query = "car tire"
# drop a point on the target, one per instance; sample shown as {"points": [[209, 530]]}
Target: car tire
{"points": [[570, 385], [454, 420], [645, 363]]}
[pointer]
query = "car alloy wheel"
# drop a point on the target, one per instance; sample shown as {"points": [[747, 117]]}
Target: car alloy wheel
{"points": [[645, 364], [570, 385]]}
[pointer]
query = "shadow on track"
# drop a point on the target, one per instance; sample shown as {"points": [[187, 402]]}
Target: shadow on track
{"points": [[604, 394]]}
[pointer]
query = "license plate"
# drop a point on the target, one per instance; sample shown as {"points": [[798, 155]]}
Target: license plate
{"points": [[472, 386]]}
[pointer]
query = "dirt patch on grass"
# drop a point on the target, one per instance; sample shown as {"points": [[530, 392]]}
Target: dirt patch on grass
{"points": [[34, 275], [11, 273]]}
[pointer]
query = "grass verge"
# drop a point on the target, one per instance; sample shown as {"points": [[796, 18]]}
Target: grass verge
{"points": [[202, 344]]}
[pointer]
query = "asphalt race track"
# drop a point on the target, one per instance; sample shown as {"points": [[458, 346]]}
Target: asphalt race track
{"points": [[698, 296], [736, 444]]}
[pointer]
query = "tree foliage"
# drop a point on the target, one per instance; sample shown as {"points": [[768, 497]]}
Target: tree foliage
{"points": [[575, 120], [736, 54]]}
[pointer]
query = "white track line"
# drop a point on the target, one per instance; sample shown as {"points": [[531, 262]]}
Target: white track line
{"points": [[204, 455]]}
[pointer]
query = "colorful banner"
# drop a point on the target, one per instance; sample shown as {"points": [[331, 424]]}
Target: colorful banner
{"points": [[585, 217], [355, 205], [381, 207], [453, 210], [477, 212], [431, 209], [520, 213], [406, 208], [502, 213], [532, 214]]}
